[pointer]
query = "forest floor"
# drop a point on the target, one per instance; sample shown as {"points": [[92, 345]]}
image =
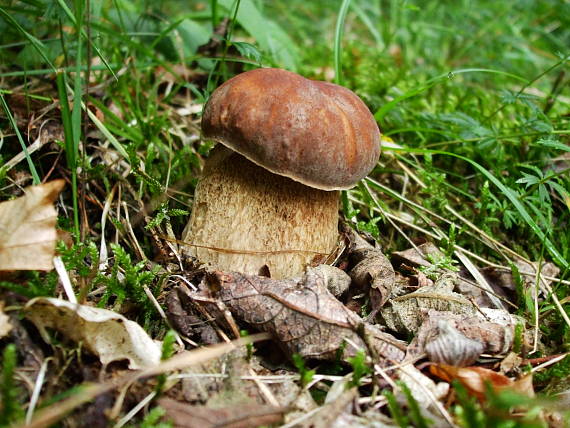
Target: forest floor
{"points": [[447, 299]]}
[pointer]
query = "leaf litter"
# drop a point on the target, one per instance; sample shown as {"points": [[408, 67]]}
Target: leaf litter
{"points": [[304, 316]]}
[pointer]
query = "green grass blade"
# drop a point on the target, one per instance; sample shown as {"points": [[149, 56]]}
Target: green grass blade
{"points": [[69, 140], [35, 176], [77, 84], [214, 9], [65, 119], [338, 33], [114, 142]]}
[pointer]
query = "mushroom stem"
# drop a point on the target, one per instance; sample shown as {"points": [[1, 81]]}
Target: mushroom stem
{"points": [[245, 217]]}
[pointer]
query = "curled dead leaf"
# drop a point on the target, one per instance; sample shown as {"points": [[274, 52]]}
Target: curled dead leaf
{"points": [[27, 228], [492, 329], [372, 269], [107, 334], [476, 379], [450, 347], [337, 281]]}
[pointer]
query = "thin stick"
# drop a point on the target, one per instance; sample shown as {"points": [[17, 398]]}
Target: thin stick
{"points": [[37, 389]]}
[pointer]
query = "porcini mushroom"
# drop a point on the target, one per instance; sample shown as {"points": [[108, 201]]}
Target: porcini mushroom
{"points": [[269, 195]]}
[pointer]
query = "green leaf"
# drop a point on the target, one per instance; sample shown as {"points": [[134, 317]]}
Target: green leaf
{"points": [[248, 50], [555, 144], [528, 179]]}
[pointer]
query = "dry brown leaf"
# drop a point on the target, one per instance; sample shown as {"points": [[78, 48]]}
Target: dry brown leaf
{"points": [[450, 347], [27, 228], [337, 281], [240, 416], [476, 379], [405, 314], [107, 334], [302, 314], [417, 256], [372, 269], [504, 279]]}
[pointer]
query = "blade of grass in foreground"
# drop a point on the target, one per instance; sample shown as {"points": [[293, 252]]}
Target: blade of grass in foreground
{"points": [[70, 153], [509, 193], [339, 30], [35, 176]]}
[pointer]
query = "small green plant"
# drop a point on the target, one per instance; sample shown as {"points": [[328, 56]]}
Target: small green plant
{"points": [[168, 345], [128, 280], [249, 346], [167, 351], [396, 411], [438, 262], [11, 410], [36, 284], [165, 213], [448, 243], [497, 410], [306, 375], [560, 370], [436, 191], [420, 421], [154, 419], [359, 368], [468, 411]]}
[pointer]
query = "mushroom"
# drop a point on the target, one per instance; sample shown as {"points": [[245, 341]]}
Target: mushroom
{"points": [[268, 196]]}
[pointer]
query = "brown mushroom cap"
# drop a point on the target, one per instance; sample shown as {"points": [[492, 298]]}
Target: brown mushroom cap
{"points": [[317, 133]]}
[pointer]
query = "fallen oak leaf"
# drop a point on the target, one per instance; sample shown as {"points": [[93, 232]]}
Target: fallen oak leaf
{"points": [[27, 228], [107, 334], [303, 315]]}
